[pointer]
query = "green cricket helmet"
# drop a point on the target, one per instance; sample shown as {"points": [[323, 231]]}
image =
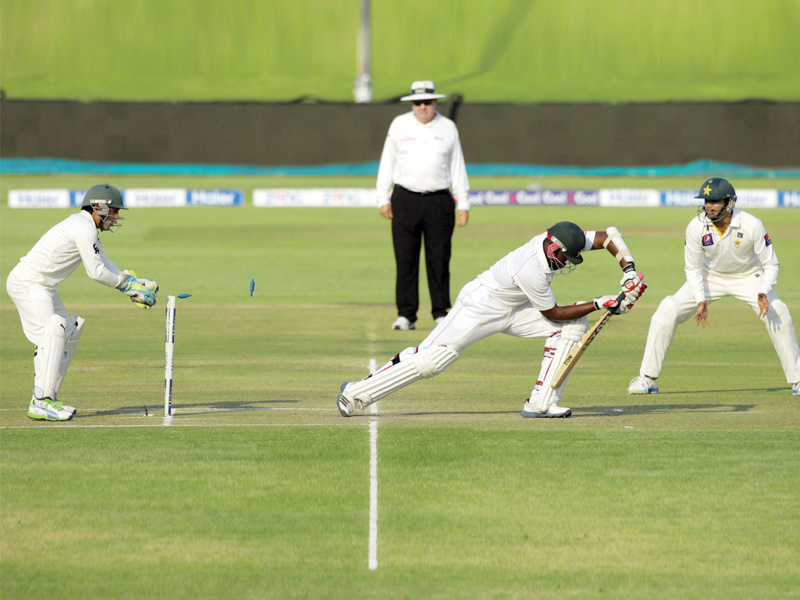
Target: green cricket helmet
{"points": [[570, 238], [717, 188], [103, 197]]}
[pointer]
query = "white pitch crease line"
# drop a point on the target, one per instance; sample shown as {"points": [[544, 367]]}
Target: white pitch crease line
{"points": [[373, 479], [177, 423]]}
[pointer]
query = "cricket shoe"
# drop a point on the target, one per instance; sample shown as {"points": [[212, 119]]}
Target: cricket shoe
{"points": [[403, 324], [347, 406], [438, 320], [48, 410], [554, 411], [67, 407], [643, 385], [796, 389]]}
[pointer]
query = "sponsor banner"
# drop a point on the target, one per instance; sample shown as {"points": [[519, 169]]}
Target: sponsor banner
{"points": [[789, 199], [680, 198], [149, 198], [39, 199], [215, 198], [630, 197], [325, 197], [756, 199], [134, 198], [533, 197]]}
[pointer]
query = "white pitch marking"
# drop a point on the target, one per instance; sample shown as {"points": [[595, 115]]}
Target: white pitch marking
{"points": [[373, 478]]}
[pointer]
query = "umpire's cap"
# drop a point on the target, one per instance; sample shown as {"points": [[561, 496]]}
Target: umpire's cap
{"points": [[717, 188], [571, 239], [104, 194]]}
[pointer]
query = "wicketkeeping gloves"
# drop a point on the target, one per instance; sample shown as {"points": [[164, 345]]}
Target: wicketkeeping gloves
{"points": [[611, 303], [142, 292]]}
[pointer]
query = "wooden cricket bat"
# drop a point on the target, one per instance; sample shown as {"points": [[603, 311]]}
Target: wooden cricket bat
{"points": [[574, 354]]}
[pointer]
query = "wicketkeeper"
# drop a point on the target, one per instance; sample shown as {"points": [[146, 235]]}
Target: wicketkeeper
{"points": [[513, 297], [33, 286]]}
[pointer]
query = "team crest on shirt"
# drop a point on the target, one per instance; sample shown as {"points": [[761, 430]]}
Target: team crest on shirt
{"points": [[708, 240], [767, 240], [740, 235]]}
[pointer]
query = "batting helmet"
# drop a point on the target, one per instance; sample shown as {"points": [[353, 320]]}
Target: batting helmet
{"points": [[718, 188], [570, 238]]}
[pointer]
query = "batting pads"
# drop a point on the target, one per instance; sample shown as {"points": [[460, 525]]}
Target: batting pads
{"points": [[556, 349], [48, 357], [411, 367]]}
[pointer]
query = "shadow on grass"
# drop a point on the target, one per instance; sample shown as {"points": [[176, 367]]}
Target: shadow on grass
{"points": [[611, 411], [222, 406]]}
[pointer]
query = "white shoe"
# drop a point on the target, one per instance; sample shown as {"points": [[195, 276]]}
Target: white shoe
{"points": [[796, 389], [347, 406], [438, 320], [403, 324], [643, 385], [531, 411], [48, 410], [67, 407]]}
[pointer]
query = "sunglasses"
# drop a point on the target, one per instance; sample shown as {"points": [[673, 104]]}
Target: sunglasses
{"points": [[421, 102]]}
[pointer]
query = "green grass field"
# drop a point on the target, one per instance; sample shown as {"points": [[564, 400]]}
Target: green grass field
{"points": [[257, 488], [501, 51]]}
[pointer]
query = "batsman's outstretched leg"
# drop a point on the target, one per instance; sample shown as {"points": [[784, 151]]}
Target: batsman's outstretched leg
{"points": [[404, 369]]}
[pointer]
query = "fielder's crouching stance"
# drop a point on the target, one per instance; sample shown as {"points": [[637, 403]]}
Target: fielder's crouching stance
{"points": [[513, 297], [33, 286]]}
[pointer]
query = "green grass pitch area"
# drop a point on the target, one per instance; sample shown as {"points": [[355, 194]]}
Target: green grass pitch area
{"points": [[258, 488]]}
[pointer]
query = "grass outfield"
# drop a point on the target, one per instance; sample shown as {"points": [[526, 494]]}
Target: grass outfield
{"points": [[501, 51], [258, 488]]}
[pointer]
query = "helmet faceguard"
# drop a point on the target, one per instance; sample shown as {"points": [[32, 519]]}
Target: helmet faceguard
{"points": [[570, 239], [102, 198]]}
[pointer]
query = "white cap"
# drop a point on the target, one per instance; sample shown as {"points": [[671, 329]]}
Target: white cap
{"points": [[423, 90]]}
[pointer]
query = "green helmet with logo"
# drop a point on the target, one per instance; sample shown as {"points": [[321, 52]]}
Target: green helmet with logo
{"points": [[718, 188]]}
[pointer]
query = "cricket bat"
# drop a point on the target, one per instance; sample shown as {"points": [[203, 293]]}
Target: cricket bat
{"points": [[576, 352]]}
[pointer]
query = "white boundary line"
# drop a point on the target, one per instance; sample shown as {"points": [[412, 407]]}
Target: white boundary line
{"points": [[373, 479]]}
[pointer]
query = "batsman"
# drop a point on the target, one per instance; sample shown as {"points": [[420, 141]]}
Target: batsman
{"points": [[33, 286], [512, 297]]}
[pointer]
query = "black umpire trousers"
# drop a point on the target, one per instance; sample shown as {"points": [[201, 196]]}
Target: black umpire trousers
{"points": [[416, 216]]}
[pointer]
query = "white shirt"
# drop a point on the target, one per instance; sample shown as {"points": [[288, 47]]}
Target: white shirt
{"points": [[525, 275], [423, 157], [744, 249], [59, 252]]}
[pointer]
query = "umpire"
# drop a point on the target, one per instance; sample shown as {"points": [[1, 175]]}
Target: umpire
{"points": [[422, 157]]}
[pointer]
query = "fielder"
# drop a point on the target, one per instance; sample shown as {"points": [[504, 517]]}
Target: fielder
{"points": [[33, 286], [727, 253], [513, 297]]}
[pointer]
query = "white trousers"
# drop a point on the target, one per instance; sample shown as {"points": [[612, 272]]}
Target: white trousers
{"points": [[35, 302], [677, 309], [475, 316]]}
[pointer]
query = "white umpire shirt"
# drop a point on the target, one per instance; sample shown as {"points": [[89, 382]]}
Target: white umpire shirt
{"points": [[423, 157], [59, 252], [525, 275], [744, 249]]}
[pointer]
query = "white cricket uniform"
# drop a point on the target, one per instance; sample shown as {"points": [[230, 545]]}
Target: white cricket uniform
{"points": [[423, 157], [33, 283], [507, 298], [740, 263]]}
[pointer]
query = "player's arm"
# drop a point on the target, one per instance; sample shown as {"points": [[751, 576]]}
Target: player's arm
{"points": [[385, 175], [94, 260], [632, 283]]}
